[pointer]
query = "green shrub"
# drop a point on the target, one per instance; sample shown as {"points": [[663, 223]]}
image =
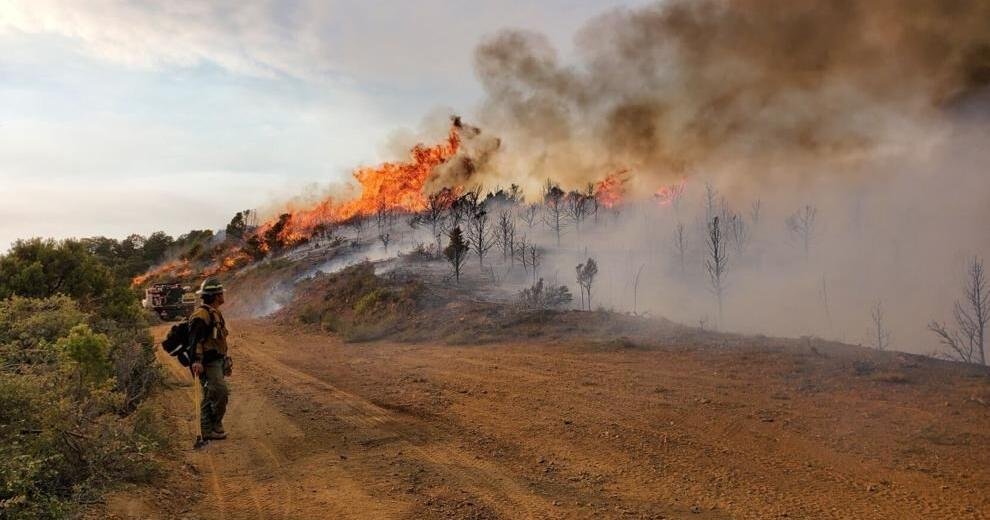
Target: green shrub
{"points": [[75, 357], [149, 425], [89, 354], [62, 438], [309, 315], [372, 302], [59, 447], [331, 322], [135, 370], [29, 327]]}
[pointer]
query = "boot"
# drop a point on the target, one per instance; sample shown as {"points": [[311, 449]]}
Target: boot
{"points": [[216, 436]]}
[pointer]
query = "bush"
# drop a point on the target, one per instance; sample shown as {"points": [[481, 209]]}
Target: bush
{"points": [[88, 353], [332, 323], [355, 302], [309, 315], [373, 302], [30, 327], [541, 296], [135, 370], [422, 253], [63, 388]]}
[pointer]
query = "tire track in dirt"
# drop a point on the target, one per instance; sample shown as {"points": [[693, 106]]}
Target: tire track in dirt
{"points": [[496, 487], [191, 428], [321, 429], [233, 467]]}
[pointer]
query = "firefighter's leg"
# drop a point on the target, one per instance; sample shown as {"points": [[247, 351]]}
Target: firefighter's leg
{"points": [[205, 405], [217, 394]]}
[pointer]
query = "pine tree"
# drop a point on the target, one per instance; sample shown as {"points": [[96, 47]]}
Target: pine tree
{"points": [[457, 251]]}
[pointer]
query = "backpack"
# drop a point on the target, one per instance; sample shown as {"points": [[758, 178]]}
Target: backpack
{"points": [[176, 343]]}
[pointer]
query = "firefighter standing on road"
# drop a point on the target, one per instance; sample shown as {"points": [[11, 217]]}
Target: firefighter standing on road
{"points": [[211, 364]]}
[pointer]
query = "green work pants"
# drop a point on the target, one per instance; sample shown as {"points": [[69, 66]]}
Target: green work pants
{"points": [[215, 393]]}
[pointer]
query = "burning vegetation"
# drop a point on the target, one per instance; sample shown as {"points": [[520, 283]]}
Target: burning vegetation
{"points": [[709, 156], [390, 189]]}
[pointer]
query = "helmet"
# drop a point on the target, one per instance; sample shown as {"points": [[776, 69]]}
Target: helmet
{"points": [[210, 286]]}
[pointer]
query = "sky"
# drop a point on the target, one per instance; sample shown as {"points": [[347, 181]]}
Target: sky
{"points": [[120, 117]]}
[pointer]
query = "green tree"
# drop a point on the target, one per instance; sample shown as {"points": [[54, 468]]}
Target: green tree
{"points": [[237, 226], [457, 251], [271, 236], [585, 277], [39, 268], [155, 247], [192, 244]]}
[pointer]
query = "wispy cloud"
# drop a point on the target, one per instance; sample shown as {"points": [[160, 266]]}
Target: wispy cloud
{"points": [[343, 39], [255, 37], [99, 94]]}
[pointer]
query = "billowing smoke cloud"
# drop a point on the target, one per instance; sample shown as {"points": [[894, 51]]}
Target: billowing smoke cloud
{"points": [[869, 111], [477, 150], [683, 85]]}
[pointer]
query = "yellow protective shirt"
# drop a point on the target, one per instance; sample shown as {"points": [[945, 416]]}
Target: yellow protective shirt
{"points": [[216, 340]]}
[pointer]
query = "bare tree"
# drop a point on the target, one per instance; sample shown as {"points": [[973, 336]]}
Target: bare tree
{"points": [[464, 207], [717, 262], [577, 207], [437, 206], [358, 223], [528, 214], [481, 234], [802, 227], [384, 218], [553, 208], [825, 303], [676, 196], [879, 333], [585, 277], [738, 233], [535, 259], [507, 234], [711, 202], [456, 251], [522, 253], [251, 219], [966, 343], [594, 202], [636, 289], [680, 244], [755, 212]]}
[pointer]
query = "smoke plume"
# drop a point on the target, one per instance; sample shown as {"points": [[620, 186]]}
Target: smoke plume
{"points": [[683, 85]]}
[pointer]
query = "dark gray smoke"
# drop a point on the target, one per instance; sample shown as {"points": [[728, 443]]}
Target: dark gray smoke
{"points": [[680, 85]]}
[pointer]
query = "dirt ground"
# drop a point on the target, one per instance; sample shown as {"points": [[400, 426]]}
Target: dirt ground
{"points": [[324, 429]]}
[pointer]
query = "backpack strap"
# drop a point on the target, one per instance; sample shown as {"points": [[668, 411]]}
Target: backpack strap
{"points": [[216, 322]]}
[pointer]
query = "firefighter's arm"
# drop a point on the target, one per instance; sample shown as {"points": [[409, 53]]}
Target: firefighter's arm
{"points": [[199, 333]]}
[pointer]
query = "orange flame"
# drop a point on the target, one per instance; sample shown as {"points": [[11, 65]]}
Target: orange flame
{"points": [[395, 186], [610, 190], [232, 261], [668, 194], [175, 269]]}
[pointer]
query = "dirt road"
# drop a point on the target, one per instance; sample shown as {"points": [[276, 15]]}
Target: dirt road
{"points": [[323, 429]]}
